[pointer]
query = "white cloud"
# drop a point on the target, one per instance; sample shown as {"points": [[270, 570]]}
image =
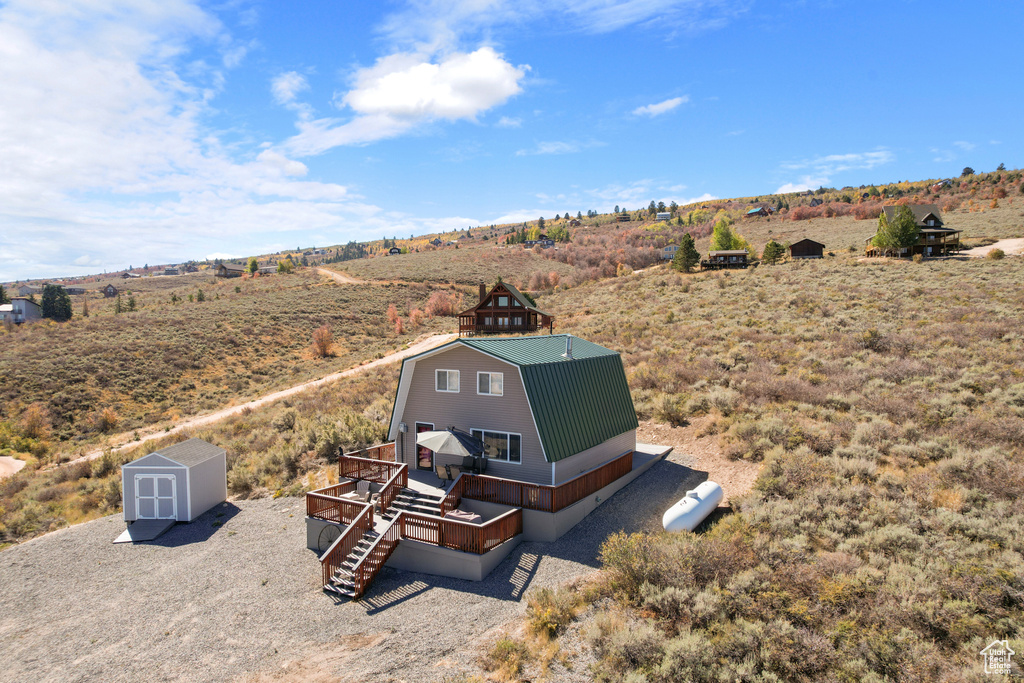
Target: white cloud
{"points": [[287, 85], [404, 90], [804, 184], [660, 108], [558, 147], [86, 260], [965, 146], [282, 163], [509, 122]]}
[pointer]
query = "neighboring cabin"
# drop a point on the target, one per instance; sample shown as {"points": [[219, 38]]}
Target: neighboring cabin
{"points": [[504, 309], [933, 239], [725, 258], [20, 310], [668, 252], [548, 407], [759, 211], [110, 291], [806, 248], [394, 251], [229, 270]]}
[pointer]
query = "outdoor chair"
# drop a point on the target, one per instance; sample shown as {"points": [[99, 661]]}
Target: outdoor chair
{"points": [[442, 473]]}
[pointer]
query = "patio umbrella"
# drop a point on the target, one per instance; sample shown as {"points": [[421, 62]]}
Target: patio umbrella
{"points": [[451, 442]]}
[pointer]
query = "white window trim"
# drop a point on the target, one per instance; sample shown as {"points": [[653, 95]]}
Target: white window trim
{"points": [[507, 434], [448, 382], [480, 393]]}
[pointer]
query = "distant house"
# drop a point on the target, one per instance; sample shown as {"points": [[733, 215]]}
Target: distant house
{"points": [[394, 251], [663, 216], [74, 290], [758, 211], [20, 310], [29, 290], [191, 268], [725, 258], [574, 223], [806, 248], [545, 243], [436, 242], [816, 202], [504, 309], [267, 270], [623, 218], [933, 238], [110, 291], [229, 270], [171, 271], [668, 252], [128, 274]]}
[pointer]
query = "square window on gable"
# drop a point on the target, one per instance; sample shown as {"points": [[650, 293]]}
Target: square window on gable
{"points": [[490, 383], [446, 381], [502, 302]]}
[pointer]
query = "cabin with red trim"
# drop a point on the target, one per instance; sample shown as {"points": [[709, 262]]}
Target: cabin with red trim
{"points": [[503, 310]]}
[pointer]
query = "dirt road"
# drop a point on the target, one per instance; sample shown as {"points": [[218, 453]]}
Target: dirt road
{"points": [[123, 440], [342, 278], [9, 465], [1010, 247]]}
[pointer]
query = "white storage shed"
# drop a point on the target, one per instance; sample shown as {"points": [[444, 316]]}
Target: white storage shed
{"points": [[179, 482]]}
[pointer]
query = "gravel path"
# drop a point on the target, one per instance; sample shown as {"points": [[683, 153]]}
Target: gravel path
{"points": [[1009, 246], [242, 600], [9, 465]]}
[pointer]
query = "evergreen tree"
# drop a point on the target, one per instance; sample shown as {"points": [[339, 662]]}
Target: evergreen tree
{"points": [[131, 302], [85, 308], [4, 298], [200, 296], [254, 265], [56, 303], [118, 308], [687, 255], [616, 208], [773, 252]]}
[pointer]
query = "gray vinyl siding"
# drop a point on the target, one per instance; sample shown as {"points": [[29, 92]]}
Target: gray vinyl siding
{"points": [[208, 484], [467, 410], [574, 465]]}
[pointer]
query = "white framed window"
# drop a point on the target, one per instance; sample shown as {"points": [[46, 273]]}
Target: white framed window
{"points": [[490, 383], [446, 381], [502, 302], [503, 446]]}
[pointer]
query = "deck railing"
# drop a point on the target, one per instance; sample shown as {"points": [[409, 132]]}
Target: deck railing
{"points": [[378, 471], [535, 496], [331, 560], [384, 451], [331, 508], [459, 535]]}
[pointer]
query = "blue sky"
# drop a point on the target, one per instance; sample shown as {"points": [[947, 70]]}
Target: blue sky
{"points": [[156, 131]]}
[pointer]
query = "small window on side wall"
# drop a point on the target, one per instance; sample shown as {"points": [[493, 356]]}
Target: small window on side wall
{"points": [[446, 381], [490, 383]]}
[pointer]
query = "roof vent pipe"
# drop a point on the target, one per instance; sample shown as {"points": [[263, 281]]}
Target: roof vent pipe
{"points": [[568, 347]]}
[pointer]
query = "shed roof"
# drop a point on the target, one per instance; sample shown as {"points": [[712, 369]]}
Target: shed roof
{"points": [[577, 403], [808, 241], [233, 266], [191, 452]]}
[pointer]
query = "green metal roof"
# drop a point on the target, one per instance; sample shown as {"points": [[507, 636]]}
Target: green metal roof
{"points": [[577, 403]]}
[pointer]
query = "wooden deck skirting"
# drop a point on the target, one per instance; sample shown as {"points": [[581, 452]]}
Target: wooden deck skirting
{"points": [[331, 560], [535, 496]]}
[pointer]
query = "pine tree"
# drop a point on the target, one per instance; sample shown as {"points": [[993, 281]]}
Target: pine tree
{"points": [[56, 303], [687, 255], [4, 298], [721, 238], [773, 252]]}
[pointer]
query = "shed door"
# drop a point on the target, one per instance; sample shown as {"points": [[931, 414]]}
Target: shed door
{"points": [[155, 496]]}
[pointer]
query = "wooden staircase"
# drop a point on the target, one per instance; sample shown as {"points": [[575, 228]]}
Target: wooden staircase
{"points": [[365, 560]]}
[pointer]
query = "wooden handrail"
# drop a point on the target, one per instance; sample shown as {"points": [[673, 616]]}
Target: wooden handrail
{"points": [[384, 451], [378, 471], [370, 564], [398, 481], [331, 560], [334, 509]]}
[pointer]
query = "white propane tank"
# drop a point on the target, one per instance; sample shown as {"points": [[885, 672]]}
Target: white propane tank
{"points": [[694, 507]]}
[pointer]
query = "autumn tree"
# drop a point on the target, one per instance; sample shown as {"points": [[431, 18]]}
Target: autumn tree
{"points": [[722, 237], [899, 233], [323, 342], [254, 265]]}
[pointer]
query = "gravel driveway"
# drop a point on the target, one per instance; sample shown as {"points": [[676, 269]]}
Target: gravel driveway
{"points": [[236, 596]]}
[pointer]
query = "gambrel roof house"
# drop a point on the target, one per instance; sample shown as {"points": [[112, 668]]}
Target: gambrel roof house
{"points": [[549, 407]]}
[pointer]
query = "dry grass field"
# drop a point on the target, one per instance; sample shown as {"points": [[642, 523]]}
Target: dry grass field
{"points": [[882, 539], [71, 383]]}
